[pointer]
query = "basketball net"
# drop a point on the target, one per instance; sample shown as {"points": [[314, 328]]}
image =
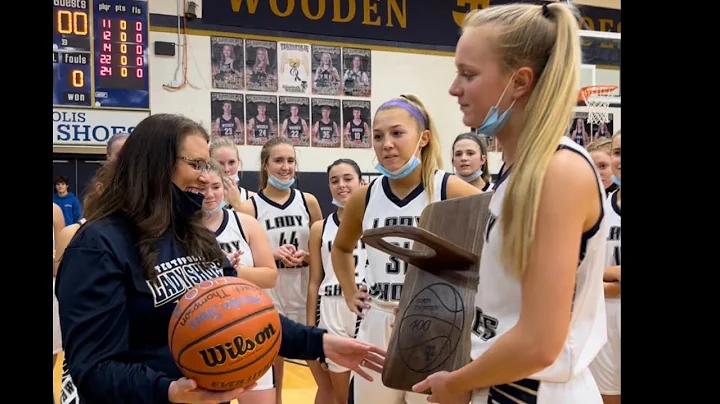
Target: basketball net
{"points": [[597, 99]]}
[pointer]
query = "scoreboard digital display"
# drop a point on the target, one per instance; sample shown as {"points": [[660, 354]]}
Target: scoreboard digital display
{"points": [[100, 54]]}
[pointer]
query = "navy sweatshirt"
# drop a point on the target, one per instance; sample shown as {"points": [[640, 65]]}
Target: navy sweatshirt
{"points": [[114, 323]]}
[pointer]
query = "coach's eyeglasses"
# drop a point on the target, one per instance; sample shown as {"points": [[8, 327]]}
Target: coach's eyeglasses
{"points": [[198, 165]]}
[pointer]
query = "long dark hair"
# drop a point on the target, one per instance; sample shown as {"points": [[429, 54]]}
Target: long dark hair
{"points": [[138, 184], [483, 151]]}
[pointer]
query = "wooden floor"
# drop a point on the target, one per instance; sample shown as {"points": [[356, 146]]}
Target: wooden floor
{"points": [[298, 387]]}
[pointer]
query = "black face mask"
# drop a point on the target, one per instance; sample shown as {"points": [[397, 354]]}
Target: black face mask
{"points": [[185, 203]]}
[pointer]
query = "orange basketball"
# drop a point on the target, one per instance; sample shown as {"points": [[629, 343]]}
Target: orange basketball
{"points": [[224, 333]]}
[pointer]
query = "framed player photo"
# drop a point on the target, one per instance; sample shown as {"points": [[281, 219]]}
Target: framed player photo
{"points": [[261, 113], [295, 119], [326, 67], [325, 122], [357, 80], [295, 66], [356, 124], [227, 111], [228, 63], [584, 133], [261, 66]]}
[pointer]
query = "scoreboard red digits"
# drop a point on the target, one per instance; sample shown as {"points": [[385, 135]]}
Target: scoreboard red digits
{"points": [[121, 67]]}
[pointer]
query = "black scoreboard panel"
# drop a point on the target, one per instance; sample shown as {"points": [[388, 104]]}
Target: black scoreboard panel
{"points": [[100, 54]]}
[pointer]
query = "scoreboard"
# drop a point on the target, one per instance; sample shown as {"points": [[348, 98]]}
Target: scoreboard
{"points": [[100, 54]]}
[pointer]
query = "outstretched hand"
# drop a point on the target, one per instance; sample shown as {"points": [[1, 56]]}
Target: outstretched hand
{"points": [[354, 355]]}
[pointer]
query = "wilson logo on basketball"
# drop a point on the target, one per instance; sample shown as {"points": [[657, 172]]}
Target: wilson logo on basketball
{"points": [[237, 348]]}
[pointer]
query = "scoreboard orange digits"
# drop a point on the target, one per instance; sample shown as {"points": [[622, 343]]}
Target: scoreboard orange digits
{"points": [[72, 22], [78, 78]]}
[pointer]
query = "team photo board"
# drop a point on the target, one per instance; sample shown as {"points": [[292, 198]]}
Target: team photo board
{"points": [[295, 120], [261, 112], [261, 70], [326, 68], [227, 112], [228, 63], [294, 70], [326, 122], [357, 66], [356, 124]]}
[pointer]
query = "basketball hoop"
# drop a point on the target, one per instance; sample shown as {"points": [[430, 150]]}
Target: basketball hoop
{"points": [[597, 99]]}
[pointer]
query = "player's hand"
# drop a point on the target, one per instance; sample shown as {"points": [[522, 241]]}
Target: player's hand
{"points": [[286, 254], [354, 355], [440, 391], [232, 193], [395, 312], [300, 254], [234, 258], [358, 302], [186, 391]]}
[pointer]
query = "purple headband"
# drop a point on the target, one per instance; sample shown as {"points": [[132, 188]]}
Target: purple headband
{"points": [[407, 107]]}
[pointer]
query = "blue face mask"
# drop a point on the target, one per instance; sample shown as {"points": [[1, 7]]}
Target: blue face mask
{"points": [[403, 171], [472, 177], [279, 184], [615, 180], [493, 121], [338, 203], [218, 209]]}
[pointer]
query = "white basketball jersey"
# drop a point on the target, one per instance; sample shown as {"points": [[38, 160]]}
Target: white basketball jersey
{"points": [[612, 211], [385, 274], [288, 223], [231, 237], [243, 194], [330, 285], [499, 299]]}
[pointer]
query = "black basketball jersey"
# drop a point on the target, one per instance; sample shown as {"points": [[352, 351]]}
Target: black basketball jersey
{"points": [[578, 138], [225, 67], [262, 128], [294, 129], [357, 131], [228, 127], [325, 130], [324, 78], [258, 76]]}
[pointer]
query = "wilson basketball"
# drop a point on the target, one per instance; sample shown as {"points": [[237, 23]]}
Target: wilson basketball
{"points": [[224, 333]]}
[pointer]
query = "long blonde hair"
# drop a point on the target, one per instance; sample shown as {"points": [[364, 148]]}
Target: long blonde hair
{"points": [[600, 145], [546, 39], [430, 155]]}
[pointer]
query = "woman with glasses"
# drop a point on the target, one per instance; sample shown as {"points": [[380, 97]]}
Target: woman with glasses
{"points": [[126, 267]]}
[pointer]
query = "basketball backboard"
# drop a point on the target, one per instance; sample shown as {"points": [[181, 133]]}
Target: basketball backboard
{"points": [[601, 60]]}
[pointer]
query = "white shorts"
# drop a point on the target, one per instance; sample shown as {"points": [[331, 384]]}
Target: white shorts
{"points": [[375, 329], [290, 293], [606, 366], [581, 389], [267, 381], [57, 336], [337, 319]]}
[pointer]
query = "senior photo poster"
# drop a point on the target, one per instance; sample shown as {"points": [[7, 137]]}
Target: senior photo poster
{"points": [[227, 62]]}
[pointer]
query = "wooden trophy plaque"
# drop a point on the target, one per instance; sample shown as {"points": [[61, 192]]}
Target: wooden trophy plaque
{"points": [[437, 305]]}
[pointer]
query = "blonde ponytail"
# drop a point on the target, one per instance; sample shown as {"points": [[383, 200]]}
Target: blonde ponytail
{"points": [[546, 39]]}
